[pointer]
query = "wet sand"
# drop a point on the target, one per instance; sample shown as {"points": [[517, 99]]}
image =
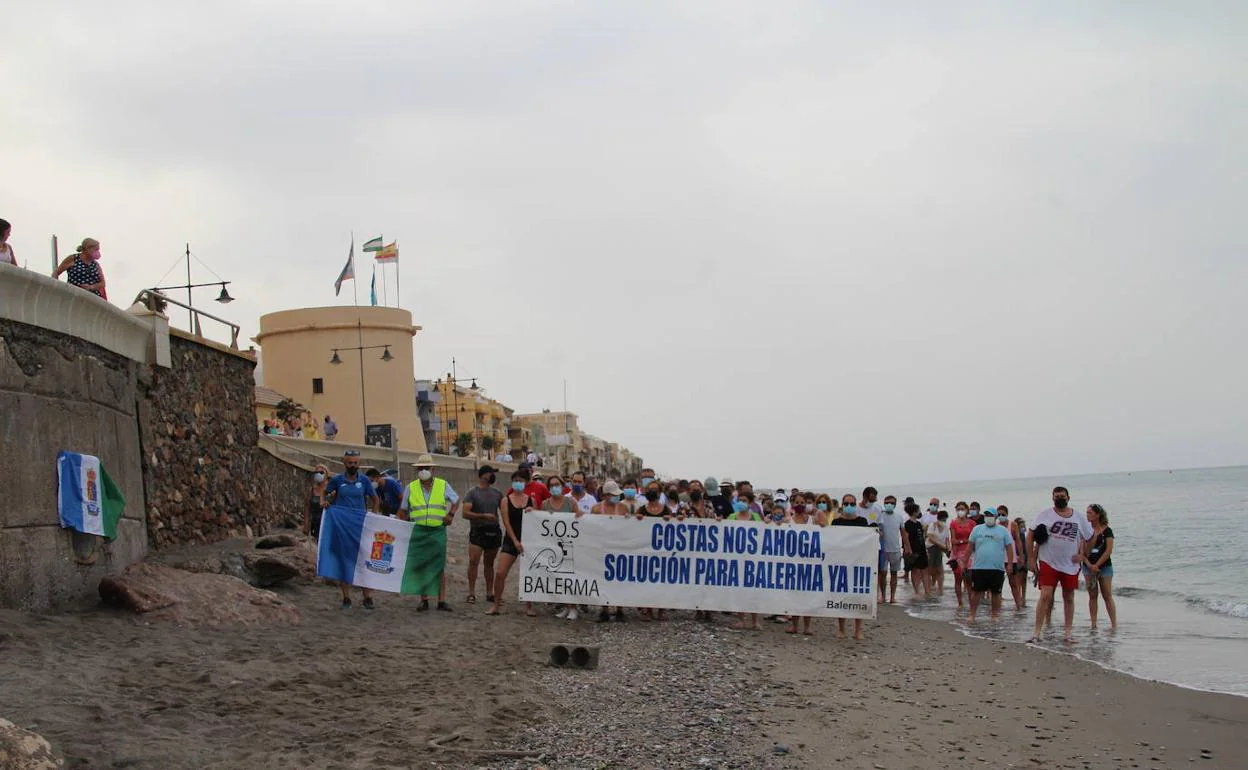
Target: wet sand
{"points": [[356, 689]]}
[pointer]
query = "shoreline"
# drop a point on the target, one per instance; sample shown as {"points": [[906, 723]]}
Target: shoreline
{"points": [[357, 689]]}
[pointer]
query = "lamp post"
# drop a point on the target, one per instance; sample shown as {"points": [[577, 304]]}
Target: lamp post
{"points": [[453, 381], [224, 297], [385, 356]]}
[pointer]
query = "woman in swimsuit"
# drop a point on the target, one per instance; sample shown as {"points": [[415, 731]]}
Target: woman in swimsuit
{"points": [[514, 504], [1018, 577]]}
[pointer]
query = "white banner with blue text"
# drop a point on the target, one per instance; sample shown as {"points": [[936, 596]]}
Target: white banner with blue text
{"points": [[699, 564]]}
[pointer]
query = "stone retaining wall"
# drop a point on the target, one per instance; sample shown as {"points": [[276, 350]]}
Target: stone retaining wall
{"points": [[206, 478]]}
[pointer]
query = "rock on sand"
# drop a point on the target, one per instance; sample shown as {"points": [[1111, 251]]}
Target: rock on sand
{"points": [[23, 750]]}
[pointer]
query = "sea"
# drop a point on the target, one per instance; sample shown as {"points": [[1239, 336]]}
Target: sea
{"points": [[1180, 572]]}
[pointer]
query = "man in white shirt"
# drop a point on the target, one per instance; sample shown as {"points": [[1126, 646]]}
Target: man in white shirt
{"points": [[1056, 544], [870, 510], [891, 524], [583, 499], [929, 515]]}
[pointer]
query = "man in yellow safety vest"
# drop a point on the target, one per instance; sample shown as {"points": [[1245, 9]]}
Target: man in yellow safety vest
{"points": [[430, 503]]}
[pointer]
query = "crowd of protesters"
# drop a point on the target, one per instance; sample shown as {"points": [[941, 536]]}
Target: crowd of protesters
{"points": [[985, 548]]}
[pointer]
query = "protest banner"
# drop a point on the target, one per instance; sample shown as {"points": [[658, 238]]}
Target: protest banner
{"points": [[699, 564]]}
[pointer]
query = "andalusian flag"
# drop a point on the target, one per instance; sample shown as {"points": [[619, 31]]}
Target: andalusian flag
{"points": [[373, 245], [87, 499], [388, 254], [373, 551]]}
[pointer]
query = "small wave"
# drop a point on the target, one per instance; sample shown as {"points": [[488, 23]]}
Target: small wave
{"points": [[1226, 607], [1221, 606]]}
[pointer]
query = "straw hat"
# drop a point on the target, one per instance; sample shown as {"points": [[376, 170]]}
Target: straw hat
{"points": [[424, 461]]}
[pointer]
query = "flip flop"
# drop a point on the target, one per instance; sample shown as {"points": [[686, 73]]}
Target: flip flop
{"points": [[472, 598], [491, 611]]}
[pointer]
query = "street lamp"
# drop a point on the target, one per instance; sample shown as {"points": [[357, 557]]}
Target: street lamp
{"points": [[453, 381], [336, 360], [224, 297]]}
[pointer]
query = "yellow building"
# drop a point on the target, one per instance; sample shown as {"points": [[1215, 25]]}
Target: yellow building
{"points": [[313, 356], [463, 409]]}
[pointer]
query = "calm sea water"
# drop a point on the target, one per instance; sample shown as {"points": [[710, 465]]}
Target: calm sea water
{"points": [[1180, 572]]}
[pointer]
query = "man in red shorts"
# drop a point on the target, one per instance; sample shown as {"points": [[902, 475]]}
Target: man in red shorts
{"points": [[1058, 550]]}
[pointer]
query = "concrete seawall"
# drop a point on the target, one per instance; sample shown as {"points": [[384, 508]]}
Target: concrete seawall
{"points": [[171, 417], [68, 380]]}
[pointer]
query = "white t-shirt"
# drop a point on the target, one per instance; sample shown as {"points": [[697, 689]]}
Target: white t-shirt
{"points": [[1065, 536], [872, 514], [890, 525], [938, 534], [586, 503], [927, 519]]}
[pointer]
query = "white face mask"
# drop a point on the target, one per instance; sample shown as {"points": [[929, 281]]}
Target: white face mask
{"points": [[318, 477], [424, 474], [961, 514], [990, 521]]}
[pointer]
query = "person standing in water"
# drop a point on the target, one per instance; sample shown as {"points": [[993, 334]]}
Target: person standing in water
{"points": [[1056, 546], [960, 529], [1098, 566]]}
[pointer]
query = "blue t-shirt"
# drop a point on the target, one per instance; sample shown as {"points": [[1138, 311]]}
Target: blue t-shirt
{"points": [[391, 493], [351, 493], [990, 544]]}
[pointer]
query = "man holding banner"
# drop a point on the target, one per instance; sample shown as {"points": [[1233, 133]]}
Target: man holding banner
{"points": [[352, 490], [430, 504]]}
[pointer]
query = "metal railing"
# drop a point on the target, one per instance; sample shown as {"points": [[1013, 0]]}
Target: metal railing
{"points": [[157, 302]]}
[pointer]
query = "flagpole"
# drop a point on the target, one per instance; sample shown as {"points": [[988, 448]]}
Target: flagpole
{"points": [[355, 291], [398, 284], [385, 297]]}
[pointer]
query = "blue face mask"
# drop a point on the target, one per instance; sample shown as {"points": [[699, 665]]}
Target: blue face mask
{"points": [[578, 489], [739, 507], [890, 507], [630, 493], [850, 508], [646, 481], [777, 516], [614, 499], [556, 490], [518, 486], [822, 506]]}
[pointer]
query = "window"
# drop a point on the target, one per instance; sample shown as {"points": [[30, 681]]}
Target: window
{"points": [[452, 424], [318, 385]]}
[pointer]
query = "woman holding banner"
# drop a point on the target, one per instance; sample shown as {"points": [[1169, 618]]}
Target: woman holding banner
{"points": [[611, 505], [512, 509], [558, 502], [802, 516]]}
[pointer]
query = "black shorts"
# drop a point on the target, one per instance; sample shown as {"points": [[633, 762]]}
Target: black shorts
{"points": [[510, 548], [916, 560], [488, 539], [987, 580]]}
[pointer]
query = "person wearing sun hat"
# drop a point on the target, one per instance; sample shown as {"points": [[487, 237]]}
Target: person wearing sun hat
{"points": [[429, 503]]}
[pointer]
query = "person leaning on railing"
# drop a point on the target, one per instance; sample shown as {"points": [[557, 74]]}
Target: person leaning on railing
{"points": [[84, 268], [7, 257]]}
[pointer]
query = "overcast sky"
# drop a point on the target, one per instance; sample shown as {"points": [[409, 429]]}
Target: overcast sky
{"points": [[807, 243]]}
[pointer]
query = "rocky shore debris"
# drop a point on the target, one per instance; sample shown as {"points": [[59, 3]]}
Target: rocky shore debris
{"points": [[165, 593], [24, 750], [606, 718]]}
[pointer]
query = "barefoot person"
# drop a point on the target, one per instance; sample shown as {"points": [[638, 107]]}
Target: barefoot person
{"points": [[991, 554], [1056, 545], [1018, 576], [351, 489], [960, 529], [485, 535], [430, 504], [801, 516], [512, 509], [849, 518], [1098, 566], [938, 551], [916, 550]]}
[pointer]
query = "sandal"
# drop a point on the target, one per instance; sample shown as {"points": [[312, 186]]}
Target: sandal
{"points": [[423, 606], [472, 598], [492, 611]]}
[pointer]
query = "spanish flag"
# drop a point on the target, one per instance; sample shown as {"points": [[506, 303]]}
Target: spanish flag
{"points": [[388, 253]]}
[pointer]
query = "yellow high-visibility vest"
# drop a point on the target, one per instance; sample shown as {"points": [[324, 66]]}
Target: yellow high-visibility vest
{"points": [[431, 512]]}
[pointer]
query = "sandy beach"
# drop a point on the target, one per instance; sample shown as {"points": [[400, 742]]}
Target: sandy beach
{"points": [[353, 689]]}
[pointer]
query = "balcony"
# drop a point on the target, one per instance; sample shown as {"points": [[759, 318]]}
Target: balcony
{"points": [[428, 397], [434, 423]]}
